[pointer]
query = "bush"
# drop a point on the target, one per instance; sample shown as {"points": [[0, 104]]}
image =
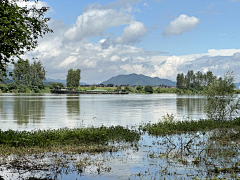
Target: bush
{"points": [[3, 87], [148, 89], [35, 89], [12, 86], [21, 88]]}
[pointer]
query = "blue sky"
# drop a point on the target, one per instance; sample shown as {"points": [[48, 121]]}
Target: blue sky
{"points": [[157, 38]]}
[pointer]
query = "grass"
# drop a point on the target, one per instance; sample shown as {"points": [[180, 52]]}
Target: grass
{"points": [[82, 139], [169, 126]]}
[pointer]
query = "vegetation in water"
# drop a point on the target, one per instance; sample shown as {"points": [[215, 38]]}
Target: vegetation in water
{"points": [[171, 126], [62, 137]]}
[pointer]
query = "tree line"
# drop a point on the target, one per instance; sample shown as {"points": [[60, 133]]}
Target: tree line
{"points": [[197, 80]]}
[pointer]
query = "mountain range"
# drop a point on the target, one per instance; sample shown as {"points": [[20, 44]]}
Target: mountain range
{"points": [[138, 79]]}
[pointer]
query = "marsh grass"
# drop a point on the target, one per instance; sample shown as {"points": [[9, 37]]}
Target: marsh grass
{"points": [[83, 139], [169, 126]]}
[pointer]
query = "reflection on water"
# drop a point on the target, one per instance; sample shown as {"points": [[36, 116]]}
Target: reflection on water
{"points": [[190, 105], [28, 109], [43, 111], [73, 106]]}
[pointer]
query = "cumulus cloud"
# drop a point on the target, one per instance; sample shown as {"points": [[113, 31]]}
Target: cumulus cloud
{"points": [[181, 24], [132, 33], [69, 47], [95, 20]]}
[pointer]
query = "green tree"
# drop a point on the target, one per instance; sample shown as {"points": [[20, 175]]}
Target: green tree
{"points": [[110, 85], [29, 74], [12, 86], [21, 72], [37, 74], [148, 89], [222, 103], [20, 28], [93, 87], [180, 81], [73, 78], [139, 88]]}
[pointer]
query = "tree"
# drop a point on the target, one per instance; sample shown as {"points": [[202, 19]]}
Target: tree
{"points": [[139, 88], [29, 74], [110, 85], [180, 81], [37, 74], [148, 89], [20, 28], [21, 72], [73, 78], [93, 87], [222, 103]]}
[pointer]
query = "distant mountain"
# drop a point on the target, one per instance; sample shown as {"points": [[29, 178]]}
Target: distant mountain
{"points": [[49, 81], [138, 79]]}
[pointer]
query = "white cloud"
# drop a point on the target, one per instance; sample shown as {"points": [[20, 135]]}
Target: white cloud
{"points": [[132, 33], [181, 24], [145, 4], [95, 20], [68, 61], [236, 56]]}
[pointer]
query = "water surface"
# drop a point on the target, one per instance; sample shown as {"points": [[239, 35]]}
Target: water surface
{"points": [[42, 111]]}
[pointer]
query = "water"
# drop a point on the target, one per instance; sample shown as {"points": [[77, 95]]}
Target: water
{"points": [[44, 111]]}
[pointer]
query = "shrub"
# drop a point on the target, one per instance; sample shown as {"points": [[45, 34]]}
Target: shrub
{"points": [[148, 89]]}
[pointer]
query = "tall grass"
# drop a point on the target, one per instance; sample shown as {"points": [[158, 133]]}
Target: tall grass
{"points": [[65, 136], [174, 127]]}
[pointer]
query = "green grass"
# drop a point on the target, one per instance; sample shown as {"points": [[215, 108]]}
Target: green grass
{"points": [[65, 137], [174, 127]]}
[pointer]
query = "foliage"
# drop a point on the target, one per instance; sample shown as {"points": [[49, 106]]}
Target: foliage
{"points": [[171, 126], [34, 89], [20, 28], [37, 74], [29, 74], [196, 81], [73, 78], [3, 87], [12, 86], [148, 89], [110, 85], [139, 88], [93, 87], [53, 85], [127, 88], [222, 103], [21, 88], [66, 136]]}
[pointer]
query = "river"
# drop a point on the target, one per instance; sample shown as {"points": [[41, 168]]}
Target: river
{"points": [[44, 111]]}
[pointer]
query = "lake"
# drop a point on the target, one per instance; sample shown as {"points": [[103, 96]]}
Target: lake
{"points": [[43, 111]]}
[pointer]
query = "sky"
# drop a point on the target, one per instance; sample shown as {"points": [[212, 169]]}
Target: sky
{"points": [[156, 38]]}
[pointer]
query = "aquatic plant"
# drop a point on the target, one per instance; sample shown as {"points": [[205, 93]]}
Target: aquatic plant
{"points": [[65, 136]]}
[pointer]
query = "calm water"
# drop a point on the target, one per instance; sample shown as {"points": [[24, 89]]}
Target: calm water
{"points": [[42, 111]]}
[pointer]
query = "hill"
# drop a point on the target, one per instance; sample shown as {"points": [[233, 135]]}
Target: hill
{"points": [[138, 79]]}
